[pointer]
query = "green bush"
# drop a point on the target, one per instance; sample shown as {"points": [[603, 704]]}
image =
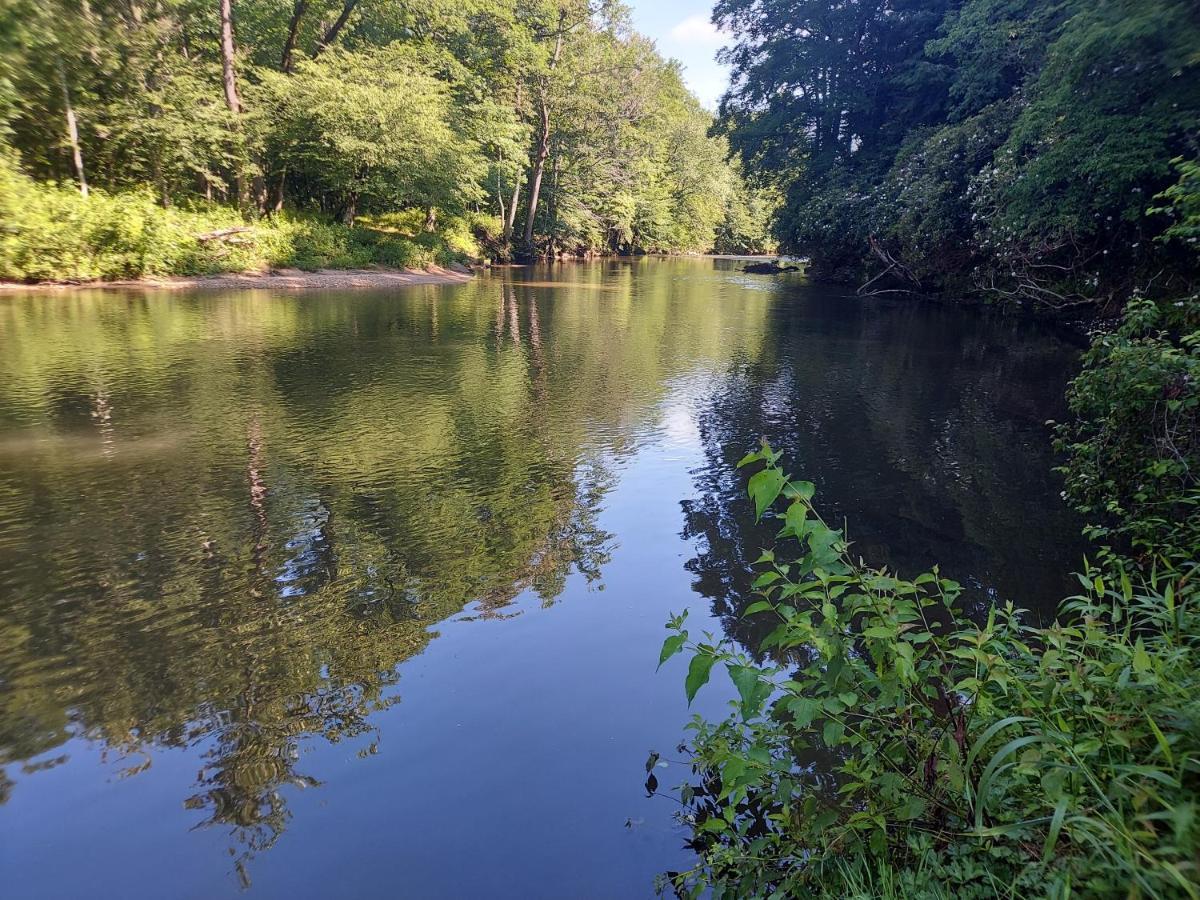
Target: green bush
{"points": [[457, 237], [51, 233], [890, 745], [1133, 444]]}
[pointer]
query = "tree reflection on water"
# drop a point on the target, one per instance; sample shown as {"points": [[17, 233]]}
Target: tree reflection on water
{"points": [[225, 520]]}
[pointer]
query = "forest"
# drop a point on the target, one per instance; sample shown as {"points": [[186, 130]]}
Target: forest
{"points": [[1042, 152], [189, 137]]}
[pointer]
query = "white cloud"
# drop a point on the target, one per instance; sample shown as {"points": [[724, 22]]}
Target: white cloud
{"points": [[697, 30]]}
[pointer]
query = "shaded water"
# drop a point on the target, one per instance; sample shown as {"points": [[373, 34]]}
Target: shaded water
{"points": [[363, 592]]}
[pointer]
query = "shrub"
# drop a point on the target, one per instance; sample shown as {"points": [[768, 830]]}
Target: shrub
{"points": [[889, 744], [1134, 443], [50, 233]]}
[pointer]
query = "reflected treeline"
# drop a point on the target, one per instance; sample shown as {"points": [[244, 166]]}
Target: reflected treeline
{"points": [[924, 430], [224, 520]]}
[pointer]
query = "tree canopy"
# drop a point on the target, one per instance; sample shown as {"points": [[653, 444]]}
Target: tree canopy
{"points": [[552, 124], [1009, 146]]}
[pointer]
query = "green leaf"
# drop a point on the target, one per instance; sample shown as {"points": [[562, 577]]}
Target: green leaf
{"points": [[745, 679], [1060, 810], [1163, 744], [990, 733], [764, 488], [766, 578], [757, 607], [1141, 659], [803, 710], [833, 732], [799, 490], [913, 807], [698, 672], [752, 456], [794, 520], [671, 646], [983, 790]]}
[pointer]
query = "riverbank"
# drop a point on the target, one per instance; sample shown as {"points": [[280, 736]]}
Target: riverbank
{"points": [[278, 279]]}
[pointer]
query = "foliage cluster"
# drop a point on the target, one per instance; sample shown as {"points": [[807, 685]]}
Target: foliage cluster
{"points": [[1007, 147], [884, 743], [1133, 443], [553, 119], [52, 233], [1132, 446]]}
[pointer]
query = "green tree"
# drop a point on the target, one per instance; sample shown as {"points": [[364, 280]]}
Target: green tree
{"points": [[1007, 147]]}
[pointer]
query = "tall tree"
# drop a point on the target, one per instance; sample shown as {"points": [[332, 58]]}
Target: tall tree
{"points": [[289, 43], [72, 129], [542, 151], [331, 34], [228, 71]]}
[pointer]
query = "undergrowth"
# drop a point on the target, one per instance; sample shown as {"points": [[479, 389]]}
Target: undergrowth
{"points": [[49, 232]]}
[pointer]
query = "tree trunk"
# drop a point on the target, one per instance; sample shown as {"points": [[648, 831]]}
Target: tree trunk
{"points": [[500, 194], [229, 81], [508, 218], [228, 76], [72, 131], [431, 218], [258, 185], [289, 45], [511, 222], [552, 247], [543, 151], [277, 205], [335, 29], [539, 169], [351, 210]]}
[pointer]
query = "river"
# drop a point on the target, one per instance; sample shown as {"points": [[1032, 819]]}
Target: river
{"points": [[362, 593]]}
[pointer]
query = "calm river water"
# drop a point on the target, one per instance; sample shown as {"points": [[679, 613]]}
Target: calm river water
{"points": [[357, 594]]}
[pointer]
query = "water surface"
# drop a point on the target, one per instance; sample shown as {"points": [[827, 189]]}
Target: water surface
{"points": [[362, 592]]}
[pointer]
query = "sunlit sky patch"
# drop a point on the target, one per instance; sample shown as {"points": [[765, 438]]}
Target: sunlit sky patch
{"points": [[683, 31]]}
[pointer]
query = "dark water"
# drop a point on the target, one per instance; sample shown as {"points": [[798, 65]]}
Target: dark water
{"points": [[361, 593]]}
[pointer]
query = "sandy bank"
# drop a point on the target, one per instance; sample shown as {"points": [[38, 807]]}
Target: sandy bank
{"points": [[280, 279]]}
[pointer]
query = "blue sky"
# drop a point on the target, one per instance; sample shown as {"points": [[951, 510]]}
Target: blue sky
{"points": [[682, 31]]}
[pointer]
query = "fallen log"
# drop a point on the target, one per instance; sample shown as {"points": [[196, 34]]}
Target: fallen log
{"points": [[223, 234]]}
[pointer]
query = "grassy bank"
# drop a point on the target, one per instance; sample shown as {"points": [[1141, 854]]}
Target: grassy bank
{"points": [[51, 233]]}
